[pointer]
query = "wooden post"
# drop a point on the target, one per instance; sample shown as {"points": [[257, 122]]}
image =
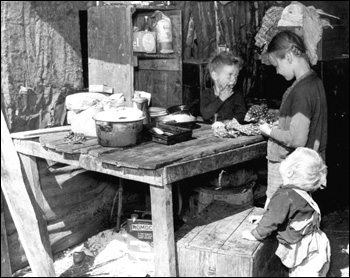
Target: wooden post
{"points": [[217, 30], [31, 226], [120, 202], [163, 231], [5, 256]]}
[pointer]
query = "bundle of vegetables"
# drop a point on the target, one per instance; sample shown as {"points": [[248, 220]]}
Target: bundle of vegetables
{"points": [[74, 138], [220, 130], [261, 114], [233, 129], [248, 129], [256, 112], [271, 117]]}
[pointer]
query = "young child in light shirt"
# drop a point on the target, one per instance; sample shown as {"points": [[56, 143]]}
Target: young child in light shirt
{"points": [[292, 212]]}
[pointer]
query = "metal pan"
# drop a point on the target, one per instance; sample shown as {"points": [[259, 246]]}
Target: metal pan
{"points": [[181, 108]]}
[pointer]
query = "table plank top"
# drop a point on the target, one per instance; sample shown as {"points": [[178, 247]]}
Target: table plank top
{"points": [[151, 155]]}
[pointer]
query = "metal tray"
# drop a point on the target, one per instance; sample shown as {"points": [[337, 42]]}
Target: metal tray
{"points": [[172, 134]]}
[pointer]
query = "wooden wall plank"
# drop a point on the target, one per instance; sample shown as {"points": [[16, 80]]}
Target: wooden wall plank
{"points": [[160, 64], [110, 54], [30, 225], [165, 87]]}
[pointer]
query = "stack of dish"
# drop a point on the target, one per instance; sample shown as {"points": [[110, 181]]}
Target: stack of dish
{"points": [[156, 113]]}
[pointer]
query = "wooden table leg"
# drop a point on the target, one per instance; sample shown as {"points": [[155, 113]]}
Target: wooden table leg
{"points": [[163, 231], [120, 202], [32, 178]]}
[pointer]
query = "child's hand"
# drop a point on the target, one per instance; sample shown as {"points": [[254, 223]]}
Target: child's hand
{"points": [[225, 92], [248, 235], [255, 219], [265, 129]]}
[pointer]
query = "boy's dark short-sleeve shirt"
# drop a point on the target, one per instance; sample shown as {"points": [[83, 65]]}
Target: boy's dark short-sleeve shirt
{"points": [[233, 107]]}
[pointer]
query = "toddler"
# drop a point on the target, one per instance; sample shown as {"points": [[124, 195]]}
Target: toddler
{"points": [[303, 247]]}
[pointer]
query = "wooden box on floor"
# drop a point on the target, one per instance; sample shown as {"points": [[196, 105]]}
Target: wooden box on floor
{"points": [[216, 248]]}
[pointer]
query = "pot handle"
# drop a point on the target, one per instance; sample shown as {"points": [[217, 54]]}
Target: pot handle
{"points": [[103, 123]]}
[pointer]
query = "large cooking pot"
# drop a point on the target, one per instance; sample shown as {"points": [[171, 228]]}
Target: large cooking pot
{"points": [[119, 128]]}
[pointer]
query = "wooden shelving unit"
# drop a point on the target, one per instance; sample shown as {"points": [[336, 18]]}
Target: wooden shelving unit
{"points": [[112, 61]]}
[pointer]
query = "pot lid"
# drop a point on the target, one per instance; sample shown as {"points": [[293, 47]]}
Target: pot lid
{"points": [[125, 114], [157, 111]]}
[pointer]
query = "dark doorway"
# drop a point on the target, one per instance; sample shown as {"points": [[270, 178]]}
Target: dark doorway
{"points": [[84, 46]]}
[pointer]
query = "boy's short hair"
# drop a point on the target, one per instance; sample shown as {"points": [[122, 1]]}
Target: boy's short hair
{"points": [[309, 169], [224, 58]]}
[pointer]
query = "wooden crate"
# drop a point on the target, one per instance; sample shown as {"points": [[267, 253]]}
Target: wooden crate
{"points": [[216, 248]]}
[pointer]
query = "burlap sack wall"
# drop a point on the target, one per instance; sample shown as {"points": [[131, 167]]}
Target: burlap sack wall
{"points": [[41, 61]]}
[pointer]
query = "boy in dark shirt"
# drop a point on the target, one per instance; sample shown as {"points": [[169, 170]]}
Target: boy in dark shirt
{"points": [[222, 100]]}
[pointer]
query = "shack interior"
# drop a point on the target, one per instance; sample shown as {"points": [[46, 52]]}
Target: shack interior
{"points": [[51, 50]]}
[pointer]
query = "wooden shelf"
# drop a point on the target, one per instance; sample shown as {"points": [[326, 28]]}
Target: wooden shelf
{"points": [[160, 8], [155, 55], [113, 62]]}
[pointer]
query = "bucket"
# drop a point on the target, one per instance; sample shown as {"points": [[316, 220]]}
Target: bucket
{"points": [[119, 128]]}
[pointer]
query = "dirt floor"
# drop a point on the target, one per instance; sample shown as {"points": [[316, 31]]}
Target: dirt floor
{"points": [[107, 255], [336, 227]]}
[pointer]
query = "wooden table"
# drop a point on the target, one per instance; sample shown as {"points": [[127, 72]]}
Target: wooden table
{"points": [[154, 164]]}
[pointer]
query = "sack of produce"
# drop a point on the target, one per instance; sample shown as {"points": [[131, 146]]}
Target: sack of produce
{"points": [[82, 108]]}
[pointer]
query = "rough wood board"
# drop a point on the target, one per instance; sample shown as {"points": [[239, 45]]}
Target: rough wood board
{"points": [[163, 231], [101, 150], [185, 169], [32, 231], [216, 211], [114, 75], [157, 155], [90, 162], [5, 257], [74, 213], [159, 64], [199, 255], [151, 155], [110, 48], [50, 141], [31, 176], [235, 244], [56, 142], [35, 149], [165, 86], [39, 132], [214, 235]]}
